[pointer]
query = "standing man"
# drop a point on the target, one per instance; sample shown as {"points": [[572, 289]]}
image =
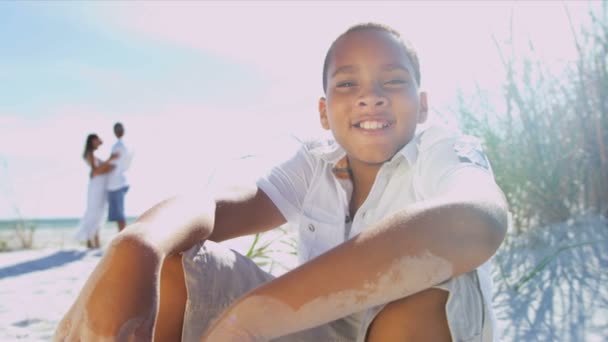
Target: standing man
{"points": [[117, 180]]}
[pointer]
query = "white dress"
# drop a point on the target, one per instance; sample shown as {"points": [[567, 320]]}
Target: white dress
{"points": [[97, 207]]}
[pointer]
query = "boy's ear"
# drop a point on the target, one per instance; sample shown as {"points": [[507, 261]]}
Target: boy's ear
{"points": [[323, 113], [423, 111]]}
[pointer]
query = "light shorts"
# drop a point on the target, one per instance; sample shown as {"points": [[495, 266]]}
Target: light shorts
{"points": [[116, 201], [216, 276]]}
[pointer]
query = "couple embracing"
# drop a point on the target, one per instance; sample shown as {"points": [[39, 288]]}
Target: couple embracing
{"points": [[107, 187]]}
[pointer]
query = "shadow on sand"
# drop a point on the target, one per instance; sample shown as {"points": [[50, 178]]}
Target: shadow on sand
{"points": [[57, 259], [552, 283]]}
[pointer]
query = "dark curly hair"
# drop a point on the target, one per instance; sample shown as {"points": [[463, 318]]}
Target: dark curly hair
{"points": [[409, 49]]}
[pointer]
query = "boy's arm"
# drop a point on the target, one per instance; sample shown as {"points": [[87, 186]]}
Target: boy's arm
{"points": [[175, 225], [120, 297], [414, 249]]}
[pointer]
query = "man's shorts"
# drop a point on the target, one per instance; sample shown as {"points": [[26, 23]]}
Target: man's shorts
{"points": [[116, 199], [217, 276]]}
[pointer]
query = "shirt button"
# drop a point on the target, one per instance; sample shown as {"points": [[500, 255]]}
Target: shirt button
{"points": [[311, 227]]}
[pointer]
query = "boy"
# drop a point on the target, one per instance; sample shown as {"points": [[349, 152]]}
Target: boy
{"points": [[391, 234]]}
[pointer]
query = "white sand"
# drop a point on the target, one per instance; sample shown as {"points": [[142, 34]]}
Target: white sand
{"points": [[566, 301], [37, 286]]}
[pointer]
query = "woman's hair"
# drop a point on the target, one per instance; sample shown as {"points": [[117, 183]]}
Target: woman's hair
{"points": [[88, 146]]}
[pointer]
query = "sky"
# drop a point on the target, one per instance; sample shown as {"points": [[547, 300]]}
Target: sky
{"points": [[202, 86]]}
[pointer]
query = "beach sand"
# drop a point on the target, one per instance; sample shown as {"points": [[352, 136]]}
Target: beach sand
{"points": [[566, 301], [38, 285]]}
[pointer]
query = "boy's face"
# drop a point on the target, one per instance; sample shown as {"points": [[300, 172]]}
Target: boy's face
{"points": [[372, 105]]}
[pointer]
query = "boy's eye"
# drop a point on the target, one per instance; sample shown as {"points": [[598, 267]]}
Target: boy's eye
{"points": [[346, 84], [396, 82]]}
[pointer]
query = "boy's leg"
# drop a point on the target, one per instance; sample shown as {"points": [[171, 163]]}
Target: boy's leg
{"points": [[197, 286], [172, 301], [454, 310], [215, 276], [421, 317]]}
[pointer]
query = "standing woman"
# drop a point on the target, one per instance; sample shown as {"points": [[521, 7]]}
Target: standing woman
{"points": [[97, 197]]}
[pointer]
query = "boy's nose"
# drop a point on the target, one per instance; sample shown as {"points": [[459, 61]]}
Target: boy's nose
{"points": [[371, 97]]}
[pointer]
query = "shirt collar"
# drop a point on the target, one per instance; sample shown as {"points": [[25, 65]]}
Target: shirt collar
{"points": [[331, 152]]}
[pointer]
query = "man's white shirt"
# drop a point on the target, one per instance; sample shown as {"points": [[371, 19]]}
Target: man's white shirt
{"points": [[117, 178]]}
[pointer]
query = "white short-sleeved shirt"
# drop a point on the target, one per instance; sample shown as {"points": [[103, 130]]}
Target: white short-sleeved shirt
{"points": [[313, 194], [117, 178]]}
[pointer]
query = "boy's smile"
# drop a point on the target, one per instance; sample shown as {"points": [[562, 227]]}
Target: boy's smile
{"points": [[373, 125], [372, 105]]}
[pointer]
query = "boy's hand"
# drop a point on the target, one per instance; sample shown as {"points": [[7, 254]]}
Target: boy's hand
{"points": [[120, 299]]}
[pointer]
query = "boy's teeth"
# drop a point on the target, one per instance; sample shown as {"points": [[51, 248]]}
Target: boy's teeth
{"points": [[372, 125]]}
